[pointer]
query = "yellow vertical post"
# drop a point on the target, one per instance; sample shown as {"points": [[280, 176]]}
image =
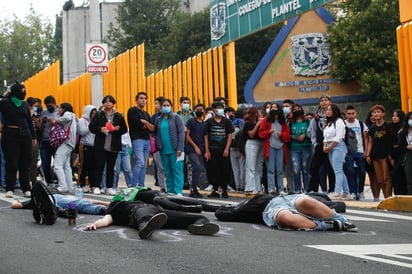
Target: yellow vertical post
{"points": [[194, 81], [184, 81], [231, 74], [141, 81], [221, 72], [210, 72], [165, 83], [176, 92], [133, 73], [199, 76], [402, 69], [408, 65], [179, 79], [150, 94], [216, 74], [207, 92], [189, 80]]}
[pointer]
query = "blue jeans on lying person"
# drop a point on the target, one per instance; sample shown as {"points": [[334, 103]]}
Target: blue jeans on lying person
{"points": [[83, 206]]}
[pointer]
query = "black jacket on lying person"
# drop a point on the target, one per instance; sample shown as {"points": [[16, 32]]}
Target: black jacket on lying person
{"points": [[250, 211]]}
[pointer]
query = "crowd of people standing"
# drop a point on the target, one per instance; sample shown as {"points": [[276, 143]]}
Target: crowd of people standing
{"points": [[277, 149]]}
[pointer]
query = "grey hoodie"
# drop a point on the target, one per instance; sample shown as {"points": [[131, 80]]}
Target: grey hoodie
{"points": [[69, 119], [86, 137]]}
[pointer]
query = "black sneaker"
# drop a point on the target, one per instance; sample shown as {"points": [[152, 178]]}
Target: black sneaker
{"points": [[333, 225], [214, 194], [224, 194], [156, 222], [348, 226], [195, 194], [203, 229]]}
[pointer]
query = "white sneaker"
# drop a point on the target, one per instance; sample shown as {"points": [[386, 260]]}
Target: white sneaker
{"points": [[230, 189], [96, 191], [361, 196], [27, 194], [62, 189], [85, 189], [210, 187], [110, 191], [9, 194]]}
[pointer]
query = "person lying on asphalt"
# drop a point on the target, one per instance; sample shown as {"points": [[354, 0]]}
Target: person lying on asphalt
{"points": [[147, 217]]}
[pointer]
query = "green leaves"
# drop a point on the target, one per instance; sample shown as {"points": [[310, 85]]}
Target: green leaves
{"points": [[364, 46]]}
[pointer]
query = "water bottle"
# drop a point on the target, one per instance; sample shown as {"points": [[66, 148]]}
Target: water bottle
{"points": [[79, 192], [72, 214]]}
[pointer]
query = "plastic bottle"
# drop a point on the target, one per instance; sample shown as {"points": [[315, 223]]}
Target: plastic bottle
{"points": [[79, 192], [72, 214]]}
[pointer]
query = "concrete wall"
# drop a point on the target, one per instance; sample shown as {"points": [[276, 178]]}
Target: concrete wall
{"points": [[76, 33]]}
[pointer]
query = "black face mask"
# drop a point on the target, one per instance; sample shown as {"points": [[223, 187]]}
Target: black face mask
{"points": [[20, 96], [199, 113], [50, 109], [272, 113], [297, 113]]}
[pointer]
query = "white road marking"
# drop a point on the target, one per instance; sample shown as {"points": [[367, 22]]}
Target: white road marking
{"points": [[380, 214], [372, 252], [361, 218]]}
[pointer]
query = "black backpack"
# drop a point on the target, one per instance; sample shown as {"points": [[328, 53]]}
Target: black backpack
{"points": [[44, 205], [350, 140]]}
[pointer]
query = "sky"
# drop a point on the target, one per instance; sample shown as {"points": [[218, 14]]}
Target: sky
{"points": [[47, 8]]}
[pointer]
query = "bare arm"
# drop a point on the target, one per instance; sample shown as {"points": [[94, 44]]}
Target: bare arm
{"points": [[107, 220]]}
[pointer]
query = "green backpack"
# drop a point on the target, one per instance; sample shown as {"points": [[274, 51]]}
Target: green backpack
{"points": [[128, 194]]}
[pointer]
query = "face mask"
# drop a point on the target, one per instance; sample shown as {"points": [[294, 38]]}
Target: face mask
{"points": [[166, 110], [267, 110], [199, 113], [410, 123], [220, 112], [50, 109], [185, 107], [35, 109], [297, 113], [286, 110], [272, 113]]}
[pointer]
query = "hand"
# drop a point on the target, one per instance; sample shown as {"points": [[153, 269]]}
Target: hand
{"points": [[226, 153], [104, 130], [300, 138], [90, 227], [207, 156], [369, 160], [33, 142], [179, 152], [326, 149], [197, 150]]}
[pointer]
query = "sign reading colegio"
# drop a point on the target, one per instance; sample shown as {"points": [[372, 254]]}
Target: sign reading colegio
{"points": [[233, 19]]}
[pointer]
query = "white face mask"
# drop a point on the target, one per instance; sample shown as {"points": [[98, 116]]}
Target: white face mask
{"points": [[220, 112], [185, 107], [286, 110], [267, 110]]}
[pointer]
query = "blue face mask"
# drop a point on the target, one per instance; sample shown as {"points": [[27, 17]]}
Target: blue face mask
{"points": [[35, 109], [286, 110], [410, 123], [166, 110], [220, 112], [185, 107]]}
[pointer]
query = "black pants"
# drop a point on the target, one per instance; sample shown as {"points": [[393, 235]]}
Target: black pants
{"points": [[88, 165], [175, 219], [320, 166], [248, 211], [218, 171], [172, 202], [104, 158], [17, 151]]}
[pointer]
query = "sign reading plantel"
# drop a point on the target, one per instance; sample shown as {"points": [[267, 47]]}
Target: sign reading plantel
{"points": [[233, 19]]}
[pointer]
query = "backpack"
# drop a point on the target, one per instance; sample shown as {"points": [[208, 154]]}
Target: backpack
{"points": [[44, 205], [350, 140]]}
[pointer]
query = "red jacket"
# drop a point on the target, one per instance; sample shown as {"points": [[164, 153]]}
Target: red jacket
{"points": [[264, 134]]}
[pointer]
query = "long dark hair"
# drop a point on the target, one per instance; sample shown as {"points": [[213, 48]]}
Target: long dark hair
{"points": [[405, 125], [251, 115], [336, 114], [279, 113]]}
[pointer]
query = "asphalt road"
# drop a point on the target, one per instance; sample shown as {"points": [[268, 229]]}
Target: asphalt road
{"points": [[383, 244]]}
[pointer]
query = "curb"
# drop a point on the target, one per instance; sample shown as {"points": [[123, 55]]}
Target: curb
{"points": [[397, 203]]}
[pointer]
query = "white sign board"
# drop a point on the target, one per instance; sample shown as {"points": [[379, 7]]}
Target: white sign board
{"points": [[96, 58]]}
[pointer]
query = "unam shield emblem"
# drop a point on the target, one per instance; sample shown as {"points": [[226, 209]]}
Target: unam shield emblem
{"points": [[310, 54], [217, 21]]}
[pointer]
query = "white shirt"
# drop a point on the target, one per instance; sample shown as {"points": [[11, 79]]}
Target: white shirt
{"points": [[335, 132]]}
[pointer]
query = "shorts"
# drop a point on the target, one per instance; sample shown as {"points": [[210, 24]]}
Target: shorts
{"points": [[278, 204]]}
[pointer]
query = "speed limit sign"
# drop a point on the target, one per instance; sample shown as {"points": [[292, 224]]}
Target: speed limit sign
{"points": [[97, 60]]}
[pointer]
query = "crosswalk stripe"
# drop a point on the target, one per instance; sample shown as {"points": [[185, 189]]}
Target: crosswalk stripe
{"points": [[391, 252], [379, 214]]}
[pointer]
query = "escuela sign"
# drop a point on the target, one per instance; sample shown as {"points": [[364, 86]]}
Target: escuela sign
{"points": [[233, 19]]}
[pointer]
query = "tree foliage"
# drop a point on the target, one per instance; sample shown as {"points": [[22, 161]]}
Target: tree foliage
{"points": [[26, 47], [141, 21], [364, 48]]}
